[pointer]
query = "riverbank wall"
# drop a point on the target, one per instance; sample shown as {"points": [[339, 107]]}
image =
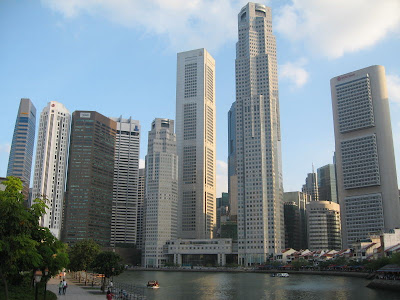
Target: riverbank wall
{"points": [[393, 285], [244, 270]]}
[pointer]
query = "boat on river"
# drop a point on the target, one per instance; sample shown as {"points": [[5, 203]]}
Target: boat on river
{"points": [[152, 284], [280, 275]]}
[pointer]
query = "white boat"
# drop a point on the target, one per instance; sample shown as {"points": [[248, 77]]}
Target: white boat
{"points": [[282, 275]]}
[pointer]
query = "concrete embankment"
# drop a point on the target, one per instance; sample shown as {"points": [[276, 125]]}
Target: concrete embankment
{"points": [[393, 285], [330, 273]]}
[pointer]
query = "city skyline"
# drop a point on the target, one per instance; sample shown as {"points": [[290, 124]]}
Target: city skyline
{"points": [[89, 76]]}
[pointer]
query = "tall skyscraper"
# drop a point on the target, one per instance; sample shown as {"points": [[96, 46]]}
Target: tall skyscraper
{"points": [[124, 223], [88, 204], [141, 197], [20, 160], [196, 144], [296, 219], [311, 186], [161, 205], [258, 138], [51, 163], [232, 164], [327, 189], [366, 169]]}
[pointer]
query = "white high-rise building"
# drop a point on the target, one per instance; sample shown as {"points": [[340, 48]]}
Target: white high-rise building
{"points": [[50, 165], [366, 170], [258, 138], [125, 206], [196, 144], [161, 200]]}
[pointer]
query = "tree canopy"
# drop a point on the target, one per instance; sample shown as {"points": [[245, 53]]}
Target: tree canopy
{"points": [[82, 255]]}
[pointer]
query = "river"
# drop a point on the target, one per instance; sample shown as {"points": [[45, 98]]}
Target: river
{"points": [[252, 286]]}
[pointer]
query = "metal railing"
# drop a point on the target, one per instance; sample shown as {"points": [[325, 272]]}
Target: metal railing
{"points": [[128, 291]]}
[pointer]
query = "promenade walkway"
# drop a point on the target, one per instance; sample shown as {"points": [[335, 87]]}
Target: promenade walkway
{"points": [[75, 291]]}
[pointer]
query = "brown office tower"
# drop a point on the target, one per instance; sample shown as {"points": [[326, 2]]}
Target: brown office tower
{"points": [[88, 205]]}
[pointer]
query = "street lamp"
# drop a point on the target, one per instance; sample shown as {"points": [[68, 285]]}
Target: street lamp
{"points": [[46, 272], [38, 277]]}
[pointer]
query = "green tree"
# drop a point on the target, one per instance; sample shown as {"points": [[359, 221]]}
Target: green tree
{"points": [[297, 264], [82, 255], [109, 264], [24, 245]]}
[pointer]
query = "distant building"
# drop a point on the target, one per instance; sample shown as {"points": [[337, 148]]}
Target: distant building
{"points": [[51, 163], [296, 219], [365, 162], [323, 225], [222, 211], [125, 211], [196, 143], [161, 200], [311, 186], [20, 160], [141, 199], [327, 189], [88, 205]]}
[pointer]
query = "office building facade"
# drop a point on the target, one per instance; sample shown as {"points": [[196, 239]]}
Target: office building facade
{"points": [[141, 199], [365, 163], [311, 186], [21, 152], [88, 204], [161, 201], [323, 225], [196, 143], [125, 208], [258, 138], [51, 163], [295, 204], [232, 164], [327, 188]]}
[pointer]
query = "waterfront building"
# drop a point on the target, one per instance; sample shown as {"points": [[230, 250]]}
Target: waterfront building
{"points": [[232, 164], [365, 163], [88, 204], [201, 252], [311, 186], [258, 138], [323, 225], [21, 152], [296, 219], [327, 189], [196, 143], [125, 206], [141, 196], [161, 200], [51, 163]]}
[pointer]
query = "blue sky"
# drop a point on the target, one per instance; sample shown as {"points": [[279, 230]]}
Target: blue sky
{"points": [[118, 57]]}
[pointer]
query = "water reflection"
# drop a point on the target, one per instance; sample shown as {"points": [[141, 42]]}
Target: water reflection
{"points": [[249, 286]]}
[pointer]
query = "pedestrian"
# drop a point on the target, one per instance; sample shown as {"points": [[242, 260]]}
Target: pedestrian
{"points": [[60, 287], [65, 285], [109, 295]]}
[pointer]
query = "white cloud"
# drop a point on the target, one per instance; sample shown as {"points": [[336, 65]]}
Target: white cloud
{"points": [[393, 86], [5, 148], [333, 28], [187, 24], [294, 72], [142, 163], [222, 177]]}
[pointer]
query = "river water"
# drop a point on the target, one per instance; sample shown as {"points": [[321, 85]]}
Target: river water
{"points": [[252, 286]]}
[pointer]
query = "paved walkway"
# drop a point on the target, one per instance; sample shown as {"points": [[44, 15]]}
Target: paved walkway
{"points": [[75, 291]]}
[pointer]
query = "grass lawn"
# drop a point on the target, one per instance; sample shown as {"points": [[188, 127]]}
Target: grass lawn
{"points": [[24, 291]]}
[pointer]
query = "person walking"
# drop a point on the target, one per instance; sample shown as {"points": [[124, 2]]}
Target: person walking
{"points": [[65, 285], [60, 287]]}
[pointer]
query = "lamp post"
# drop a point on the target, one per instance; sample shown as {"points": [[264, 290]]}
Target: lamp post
{"points": [[46, 272], [38, 277]]}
